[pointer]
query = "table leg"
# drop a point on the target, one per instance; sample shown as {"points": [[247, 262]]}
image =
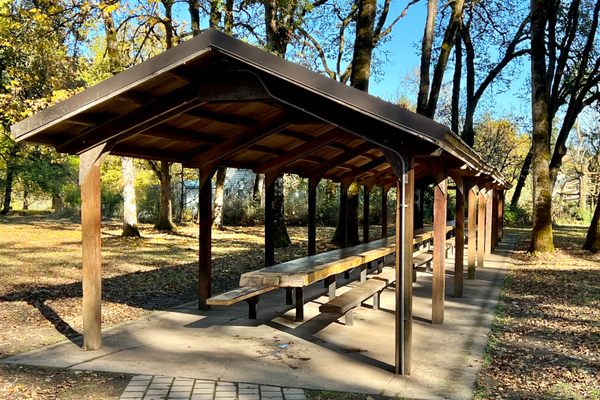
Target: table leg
{"points": [[299, 304], [252, 302], [331, 286], [289, 294], [363, 273]]}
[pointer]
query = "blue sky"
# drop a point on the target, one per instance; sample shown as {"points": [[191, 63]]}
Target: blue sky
{"points": [[403, 52]]}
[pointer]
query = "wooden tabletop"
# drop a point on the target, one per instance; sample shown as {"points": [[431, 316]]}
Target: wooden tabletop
{"points": [[304, 271]]}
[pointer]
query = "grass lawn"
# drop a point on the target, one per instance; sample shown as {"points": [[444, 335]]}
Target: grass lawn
{"points": [[545, 342]]}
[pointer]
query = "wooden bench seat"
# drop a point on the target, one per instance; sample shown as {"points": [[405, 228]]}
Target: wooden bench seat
{"points": [[346, 302], [419, 260], [247, 293]]}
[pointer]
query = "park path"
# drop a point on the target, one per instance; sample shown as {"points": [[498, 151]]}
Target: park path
{"points": [[148, 387]]}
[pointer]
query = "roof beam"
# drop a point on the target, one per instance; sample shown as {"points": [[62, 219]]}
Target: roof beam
{"points": [[363, 168], [338, 160], [229, 119], [329, 136], [373, 179], [239, 142], [184, 135], [163, 108], [144, 152]]}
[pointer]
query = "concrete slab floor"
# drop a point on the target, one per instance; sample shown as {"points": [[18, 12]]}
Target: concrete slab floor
{"points": [[320, 353]]}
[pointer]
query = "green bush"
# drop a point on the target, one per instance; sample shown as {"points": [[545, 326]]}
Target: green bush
{"points": [[517, 217], [241, 211]]}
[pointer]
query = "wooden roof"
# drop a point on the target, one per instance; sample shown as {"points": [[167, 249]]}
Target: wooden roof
{"points": [[215, 100]]}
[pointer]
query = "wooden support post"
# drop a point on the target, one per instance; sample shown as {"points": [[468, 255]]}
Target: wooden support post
{"points": [[481, 228], [91, 245], [205, 239], [440, 203], [501, 216], [494, 219], [419, 204], [472, 230], [366, 193], [343, 224], [459, 236], [344, 212], [289, 296], [384, 211], [489, 222], [313, 182], [269, 223]]}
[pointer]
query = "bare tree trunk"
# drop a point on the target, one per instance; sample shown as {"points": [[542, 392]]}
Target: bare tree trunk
{"points": [[165, 216], [583, 190], [440, 67], [181, 196], [541, 235], [130, 228], [58, 204], [346, 231], [426, 46], [258, 191], [522, 179], [219, 197], [281, 237], [10, 176], [359, 78], [25, 200], [592, 239], [363, 45], [456, 84], [194, 10]]}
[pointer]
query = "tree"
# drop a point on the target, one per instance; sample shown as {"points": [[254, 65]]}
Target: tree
{"points": [[541, 235], [162, 169], [573, 72], [322, 46], [116, 65], [481, 36], [592, 239], [36, 70], [429, 92], [500, 145], [364, 43], [215, 22]]}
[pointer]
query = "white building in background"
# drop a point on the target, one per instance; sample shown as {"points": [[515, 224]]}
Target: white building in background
{"points": [[238, 182]]}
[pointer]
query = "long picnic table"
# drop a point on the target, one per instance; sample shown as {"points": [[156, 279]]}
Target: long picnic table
{"points": [[304, 271]]}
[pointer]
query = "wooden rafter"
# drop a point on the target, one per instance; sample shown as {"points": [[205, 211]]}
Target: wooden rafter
{"points": [[321, 170], [363, 168], [239, 142], [301, 151]]}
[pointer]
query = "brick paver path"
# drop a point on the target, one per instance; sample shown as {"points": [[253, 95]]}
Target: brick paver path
{"points": [[146, 387]]}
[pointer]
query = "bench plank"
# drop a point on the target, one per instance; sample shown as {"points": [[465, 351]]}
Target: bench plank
{"points": [[361, 292], [237, 295]]}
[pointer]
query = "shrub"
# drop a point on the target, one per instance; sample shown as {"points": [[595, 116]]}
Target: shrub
{"points": [[241, 211], [517, 217]]}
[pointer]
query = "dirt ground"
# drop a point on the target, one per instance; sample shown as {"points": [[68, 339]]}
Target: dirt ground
{"points": [[545, 342], [40, 288]]}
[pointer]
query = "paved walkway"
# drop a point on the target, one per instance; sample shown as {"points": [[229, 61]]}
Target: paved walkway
{"points": [[146, 387], [320, 353]]}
